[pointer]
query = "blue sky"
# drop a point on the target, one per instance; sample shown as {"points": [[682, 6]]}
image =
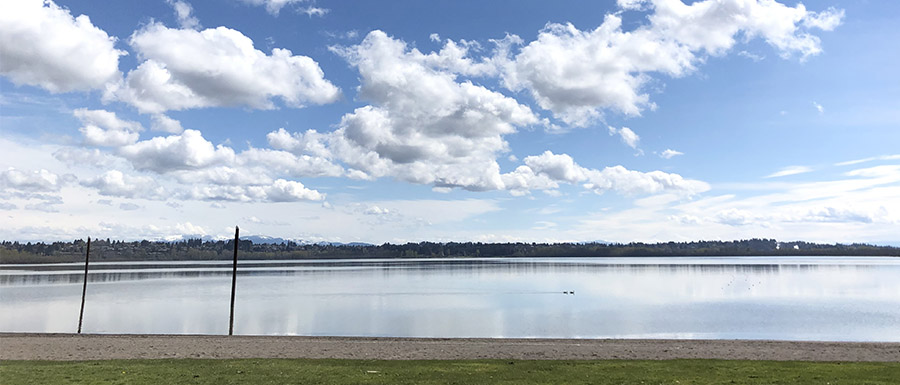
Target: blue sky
{"points": [[536, 121]]}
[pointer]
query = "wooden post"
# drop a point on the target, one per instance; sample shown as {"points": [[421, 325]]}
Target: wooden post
{"points": [[87, 257], [233, 282]]}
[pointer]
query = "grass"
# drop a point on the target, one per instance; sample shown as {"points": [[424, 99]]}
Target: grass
{"points": [[307, 371]]}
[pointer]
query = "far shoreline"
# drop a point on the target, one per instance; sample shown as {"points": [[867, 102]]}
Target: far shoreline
{"points": [[252, 260]]}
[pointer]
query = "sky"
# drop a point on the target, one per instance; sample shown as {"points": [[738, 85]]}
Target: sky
{"points": [[484, 121]]}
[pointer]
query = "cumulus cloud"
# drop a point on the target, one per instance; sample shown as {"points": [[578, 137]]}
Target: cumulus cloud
{"points": [[29, 183], [92, 157], [628, 136], [736, 217], [214, 172], [104, 128], [161, 122], [547, 170], [375, 210], [176, 152], [422, 126], [188, 230], [286, 163], [670, 153], [291, 191], [278, 191], [42, 44], [117, 184], [184, 14], [577, 74], [310, 142], [843, 215], [184, 69]]}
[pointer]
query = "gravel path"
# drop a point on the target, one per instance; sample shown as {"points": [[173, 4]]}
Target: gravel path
{"points": [[16, 346]]}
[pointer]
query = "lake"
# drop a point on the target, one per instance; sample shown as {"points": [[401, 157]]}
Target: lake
{"points": [[780, 298]]}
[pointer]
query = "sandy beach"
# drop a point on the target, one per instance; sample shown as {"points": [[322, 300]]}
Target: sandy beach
{"points": [[70, 347]]}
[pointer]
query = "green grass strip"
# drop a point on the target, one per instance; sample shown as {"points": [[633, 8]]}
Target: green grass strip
{"points": [[308, 371]]}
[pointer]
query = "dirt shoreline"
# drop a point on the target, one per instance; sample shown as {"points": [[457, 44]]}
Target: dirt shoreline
{"points": [[73, 347]]}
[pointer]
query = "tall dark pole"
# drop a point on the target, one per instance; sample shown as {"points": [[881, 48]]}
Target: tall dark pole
{"points": [[87, 256], [233, 282]]}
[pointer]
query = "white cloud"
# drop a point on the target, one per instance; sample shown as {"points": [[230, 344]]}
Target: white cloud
{"points": [[577, 74], [864, 160], [47, 207], [313, 11], [546, 170], [434, 37], [827, 20], [375, 210], [186, 151], [291, 191], [185, 69], [278, 191], [286, 163], [115, 183], [43, 45], [632, 5], [864, 206], [104, 128], [888, 171], [188, 230], [310, 142], [127, 206], [28, 183], [558, 167], [90, 157], [423, 126], [192, 168], [183, 13], [670, 153], [790, 170], [163, 123], [735, 217], [842, 215], [631, 182], [628, 136], [274, 6], [819, 108], [752, 56]]}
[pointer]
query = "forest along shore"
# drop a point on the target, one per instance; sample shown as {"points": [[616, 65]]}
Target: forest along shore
{"points": [[208, 250], [73, 347]]}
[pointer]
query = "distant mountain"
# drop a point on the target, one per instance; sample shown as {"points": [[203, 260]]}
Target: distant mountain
{"points": [[599, 242], [351, 244], [262, 239]]}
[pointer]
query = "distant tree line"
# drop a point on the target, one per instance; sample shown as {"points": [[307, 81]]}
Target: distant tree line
{"points": [[197, 249]]}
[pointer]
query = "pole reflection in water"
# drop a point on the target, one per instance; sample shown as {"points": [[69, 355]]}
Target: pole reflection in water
{"points": [[806, 298]]}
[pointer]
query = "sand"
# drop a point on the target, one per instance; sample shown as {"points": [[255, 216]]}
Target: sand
{"points": [[66, 347]]}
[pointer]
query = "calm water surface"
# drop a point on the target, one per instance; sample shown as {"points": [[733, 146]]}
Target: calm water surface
{"points": [[808, 298]]}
